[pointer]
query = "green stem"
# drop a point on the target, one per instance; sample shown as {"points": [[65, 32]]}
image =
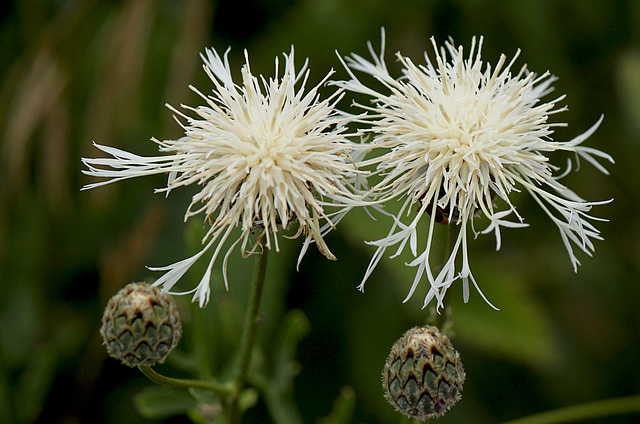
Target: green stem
{"points": [[249, 332], [452, 233], [585, 411], [440, 319], [220, 389]]}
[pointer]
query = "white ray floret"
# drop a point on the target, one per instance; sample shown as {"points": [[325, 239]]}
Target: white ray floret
{"points": [[460, 135], [266, 155]]}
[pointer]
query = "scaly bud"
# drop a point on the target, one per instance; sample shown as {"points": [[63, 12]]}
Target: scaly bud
{"points": [[141, 325], [423, 375]]}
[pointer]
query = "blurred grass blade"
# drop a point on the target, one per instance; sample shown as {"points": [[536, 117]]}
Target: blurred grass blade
{"points": [[586, 411], [34, 383], [343, 407]]}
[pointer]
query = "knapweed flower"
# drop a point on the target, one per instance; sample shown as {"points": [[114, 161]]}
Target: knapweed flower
{"points": [[266, 155], [459, 137]]}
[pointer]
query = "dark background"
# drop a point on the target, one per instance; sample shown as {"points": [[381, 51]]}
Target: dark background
{"points": [[77, 71]]}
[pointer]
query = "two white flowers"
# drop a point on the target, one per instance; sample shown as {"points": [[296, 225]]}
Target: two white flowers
{"points": [[451, 139]]}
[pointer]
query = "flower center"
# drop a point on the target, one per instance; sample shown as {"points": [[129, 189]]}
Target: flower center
{"points": [[267, 154]]}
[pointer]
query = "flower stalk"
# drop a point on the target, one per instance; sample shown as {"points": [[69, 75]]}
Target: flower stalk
{"points": [[224, 390], [249, 333]]}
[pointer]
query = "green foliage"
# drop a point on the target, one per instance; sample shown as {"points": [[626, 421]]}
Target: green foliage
{"points": [[158, 402]]}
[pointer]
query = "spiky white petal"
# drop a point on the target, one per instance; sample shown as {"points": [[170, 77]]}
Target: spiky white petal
{"points": [[458, 135], [265, 153]]}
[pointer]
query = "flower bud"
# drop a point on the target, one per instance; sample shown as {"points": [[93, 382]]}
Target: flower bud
{"points": [[141, 325], [423, 375]]}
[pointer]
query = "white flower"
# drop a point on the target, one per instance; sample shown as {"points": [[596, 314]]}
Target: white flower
{"points": [[460, 136], [266, 155]]}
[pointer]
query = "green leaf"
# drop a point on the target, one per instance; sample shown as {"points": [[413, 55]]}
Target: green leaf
{"points": [[248, 398], [519, 331], [34, 383], [159, 402], [343, 407], [278, 389], [294, 328]]}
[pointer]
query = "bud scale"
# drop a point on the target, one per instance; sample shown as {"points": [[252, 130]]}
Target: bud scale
{"points": [[423, 374], [141, 325]]}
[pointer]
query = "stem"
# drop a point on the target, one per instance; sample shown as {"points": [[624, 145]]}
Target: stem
{"points": [[440, 319], [220, 389], [602, 408], [452, 234], [249, 333]]}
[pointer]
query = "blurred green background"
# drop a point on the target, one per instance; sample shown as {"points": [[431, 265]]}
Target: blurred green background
{"points": [[77, 71]]}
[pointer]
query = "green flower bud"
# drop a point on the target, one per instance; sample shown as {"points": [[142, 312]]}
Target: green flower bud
{"points": [[141, 325], [423, 375]]}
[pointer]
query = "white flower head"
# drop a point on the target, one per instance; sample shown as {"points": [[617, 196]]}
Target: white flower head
{"points": [[265, 155], [459, 137]]}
